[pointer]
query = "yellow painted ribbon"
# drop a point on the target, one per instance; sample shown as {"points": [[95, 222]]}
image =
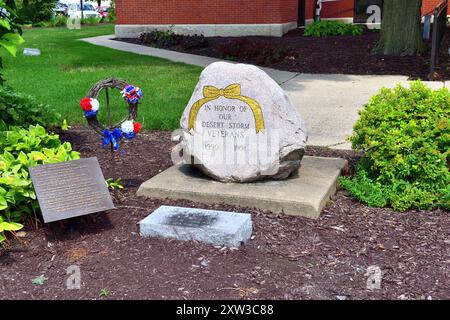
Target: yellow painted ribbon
{"points": [[232, 91]]}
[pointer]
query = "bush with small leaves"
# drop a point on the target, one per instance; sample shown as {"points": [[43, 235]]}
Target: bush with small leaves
{"points": [[405, 135]]}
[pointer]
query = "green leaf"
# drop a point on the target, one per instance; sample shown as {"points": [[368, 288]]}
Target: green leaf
{"points": [[5, 24], [65, 125], [3, 203], [2, 237], [37, 156], [104, 292], [23, 158], [10, 226], [39, 280], [14, 38], [9, 46]]}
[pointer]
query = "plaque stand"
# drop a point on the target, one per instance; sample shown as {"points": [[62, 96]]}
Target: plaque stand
{"points": [[113, 159]]}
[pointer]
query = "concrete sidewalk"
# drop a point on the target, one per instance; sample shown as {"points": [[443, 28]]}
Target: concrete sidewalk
{"points": [[201, 61], [329, 103]]}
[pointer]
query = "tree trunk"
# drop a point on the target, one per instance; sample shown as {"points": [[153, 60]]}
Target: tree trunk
{"points": [[401, 28]]}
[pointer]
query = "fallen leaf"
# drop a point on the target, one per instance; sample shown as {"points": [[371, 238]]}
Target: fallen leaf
{"points": [[76, 254]]}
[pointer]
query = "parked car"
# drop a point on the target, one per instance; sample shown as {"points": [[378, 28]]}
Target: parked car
{"points": [[88, 11], [60, 8], [104, 11]]}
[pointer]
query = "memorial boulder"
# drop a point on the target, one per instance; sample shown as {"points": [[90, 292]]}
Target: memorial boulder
{"points": [[240, 126]]}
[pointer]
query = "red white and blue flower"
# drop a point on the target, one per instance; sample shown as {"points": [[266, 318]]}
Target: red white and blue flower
{"points": [[132, 94], [90, 107], [130, 128]]}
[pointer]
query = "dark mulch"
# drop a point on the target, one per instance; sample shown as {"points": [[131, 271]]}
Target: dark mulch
{"points": [[336, 54], [288, 258]]}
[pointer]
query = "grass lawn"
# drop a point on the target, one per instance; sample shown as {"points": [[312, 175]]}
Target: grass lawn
{"points": [[67, 68]]}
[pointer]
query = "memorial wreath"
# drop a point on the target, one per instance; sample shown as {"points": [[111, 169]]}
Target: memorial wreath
{"points": [[127, 127]]}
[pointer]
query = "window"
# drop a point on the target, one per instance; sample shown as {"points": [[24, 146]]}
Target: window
{"points": [[88, 7]]}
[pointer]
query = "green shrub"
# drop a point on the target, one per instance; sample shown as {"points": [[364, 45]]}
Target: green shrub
{"points": [[159, 39], [167, 39], [36, 10], [111, 18], [91, 21], [40, 24], [58, 21], [405, 134], [22, 110], [20, 149], [332, 28]]}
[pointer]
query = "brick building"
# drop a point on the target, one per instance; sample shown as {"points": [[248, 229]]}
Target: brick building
{"points": [[235, 17]]}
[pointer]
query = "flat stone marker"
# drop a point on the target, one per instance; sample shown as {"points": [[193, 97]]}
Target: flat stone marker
{"points": [[304, 194], [209, 226]]}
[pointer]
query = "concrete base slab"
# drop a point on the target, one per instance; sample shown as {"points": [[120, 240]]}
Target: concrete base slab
{"points": [[304, 194], [219, 228]]}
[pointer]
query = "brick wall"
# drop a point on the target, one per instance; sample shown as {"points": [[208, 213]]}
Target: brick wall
{"points": [[229, 11], [345, 8], [338, 9], [289, 10], [206, 11], [309, 7], [428, 5]]}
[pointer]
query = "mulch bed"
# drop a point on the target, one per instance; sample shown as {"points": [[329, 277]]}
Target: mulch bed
{"points": [[336, 55], [288, 258]]}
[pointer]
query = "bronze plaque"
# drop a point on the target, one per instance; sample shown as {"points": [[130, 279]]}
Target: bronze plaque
{"points": [[70, 189]]}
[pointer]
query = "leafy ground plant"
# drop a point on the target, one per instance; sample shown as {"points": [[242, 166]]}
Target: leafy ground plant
{"points": [[332, 28], [114, 184], [103, 293], [39, 281], [20, 149], [405, 134], [7, 226]]}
